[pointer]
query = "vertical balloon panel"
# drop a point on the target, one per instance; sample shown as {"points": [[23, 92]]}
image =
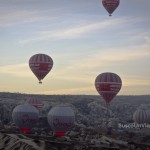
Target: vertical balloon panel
{"points": [[141, 116]]}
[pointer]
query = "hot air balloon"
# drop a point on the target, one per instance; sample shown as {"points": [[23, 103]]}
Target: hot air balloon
{"points": [[110, 5], [141, 116], [61, 119], [25, 117], [108, 85], [34, 101], [40, 64]]}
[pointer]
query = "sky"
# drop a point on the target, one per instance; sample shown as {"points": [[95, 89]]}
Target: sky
{"points": [[82, 40]]}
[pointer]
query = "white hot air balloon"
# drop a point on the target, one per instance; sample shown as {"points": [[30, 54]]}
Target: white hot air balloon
{"points": [[25, 117], [34, 101], [61, 119], [141, 116]]}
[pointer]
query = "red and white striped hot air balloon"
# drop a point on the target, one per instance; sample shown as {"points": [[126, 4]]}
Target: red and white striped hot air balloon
{"points": [[110, 5], [25, 117], [40, 64], [141, 116], [108, 85], [34, 101], [61, 119]]}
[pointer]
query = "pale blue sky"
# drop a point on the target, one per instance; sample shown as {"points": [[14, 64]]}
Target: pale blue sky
{"points": [[82, 40]]}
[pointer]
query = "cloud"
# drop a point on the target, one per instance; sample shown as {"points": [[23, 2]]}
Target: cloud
{"points": [[18, 70], [107, 57], [83, 71], [78, 31], [78, 90], [135, 81], [31, 11], [15, 17], [119, 55], [141, 36], [130, 84]]}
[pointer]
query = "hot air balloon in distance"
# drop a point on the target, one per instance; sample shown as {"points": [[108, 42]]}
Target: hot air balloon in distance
{"points": [[40, 64], [61, 119], [141, 116], [110, 5], [36, 102], [25, 117], [108, 85]]}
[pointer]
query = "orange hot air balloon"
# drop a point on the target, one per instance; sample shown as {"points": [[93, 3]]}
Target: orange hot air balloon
{"points": [[40, 64], [110, 5], [108, 85]]}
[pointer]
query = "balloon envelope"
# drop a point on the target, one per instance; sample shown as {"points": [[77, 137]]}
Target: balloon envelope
{"points": [[141, 116], [61, 119], [25, 117], [34, 101], [40, 64], [110, 5], [108, 85]]}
